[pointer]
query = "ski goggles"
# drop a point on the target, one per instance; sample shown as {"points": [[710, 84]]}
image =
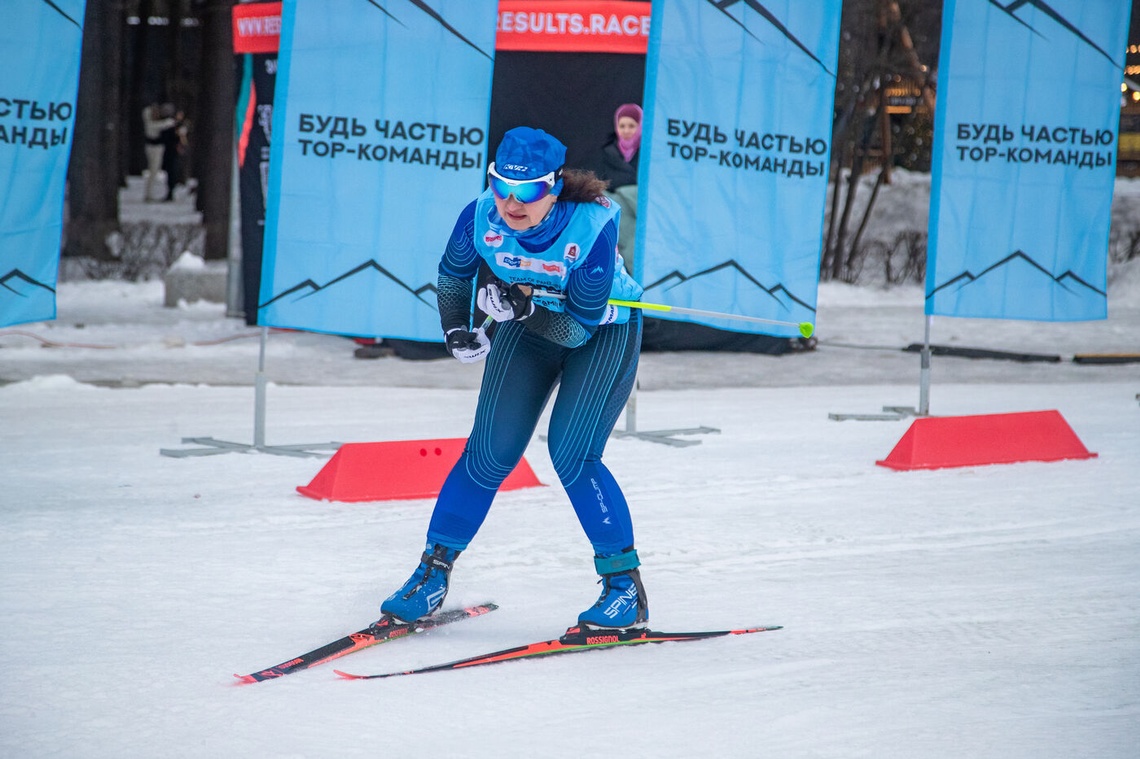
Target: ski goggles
{"points": [[524, 190]]}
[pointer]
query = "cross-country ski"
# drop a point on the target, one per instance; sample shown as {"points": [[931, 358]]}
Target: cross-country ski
{"points": [[381, 631], [574, 640]]}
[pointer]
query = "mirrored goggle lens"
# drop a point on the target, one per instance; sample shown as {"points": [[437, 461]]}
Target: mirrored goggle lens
{"points": [[525, 191]]}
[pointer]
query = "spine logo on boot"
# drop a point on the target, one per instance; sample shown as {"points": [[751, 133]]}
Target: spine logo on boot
{"points": [[619, 604]]}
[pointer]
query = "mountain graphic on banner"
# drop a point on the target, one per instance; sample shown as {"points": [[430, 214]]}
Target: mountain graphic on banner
{"points": [[438, 19], [19, 283], [724, 5], [1018, 284], [1013, 7], [71, 19], [24, 298], [778, 292], [1018, 264], [365, 300], [308, 288]]}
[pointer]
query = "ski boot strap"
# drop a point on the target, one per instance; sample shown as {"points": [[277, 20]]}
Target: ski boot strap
{"points": [[618, 563], [437, 559]]}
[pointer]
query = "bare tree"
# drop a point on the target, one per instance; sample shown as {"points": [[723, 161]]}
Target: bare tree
{"points": [[877, 52], [215, 132], [94, 172]]}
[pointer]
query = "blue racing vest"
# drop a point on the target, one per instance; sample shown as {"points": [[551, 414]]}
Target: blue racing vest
{"points": [[548, 271]]}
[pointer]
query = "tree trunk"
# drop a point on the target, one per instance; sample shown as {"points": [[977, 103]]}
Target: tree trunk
{"points": [[215, 134], [94, 171]]}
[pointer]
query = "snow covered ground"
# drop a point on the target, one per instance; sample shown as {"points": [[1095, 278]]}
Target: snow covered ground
{"points": [[970, 612]]}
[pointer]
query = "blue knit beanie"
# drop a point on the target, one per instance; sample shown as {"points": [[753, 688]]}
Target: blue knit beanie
{"points": [[527, 153]]}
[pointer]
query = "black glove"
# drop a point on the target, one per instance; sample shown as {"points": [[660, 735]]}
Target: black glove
{"points": [[468, 346], [504, 304]]}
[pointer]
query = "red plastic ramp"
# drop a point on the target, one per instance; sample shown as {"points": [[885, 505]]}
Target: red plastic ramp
{"points": [[954, 441], [397, 470]]}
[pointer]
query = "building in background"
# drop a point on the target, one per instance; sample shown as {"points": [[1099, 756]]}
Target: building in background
{"points": [[1128, 153]]}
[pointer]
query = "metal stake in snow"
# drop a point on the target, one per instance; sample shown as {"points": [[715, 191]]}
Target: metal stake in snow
{"points": [[212, 446]]}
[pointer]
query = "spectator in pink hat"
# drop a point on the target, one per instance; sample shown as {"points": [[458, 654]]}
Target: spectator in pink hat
{"points": [[618, 167]]}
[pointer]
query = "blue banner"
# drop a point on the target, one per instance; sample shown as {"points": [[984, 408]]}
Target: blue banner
{"points": [[379, 141], [738, 115], [40, 45], [1025, 158]]}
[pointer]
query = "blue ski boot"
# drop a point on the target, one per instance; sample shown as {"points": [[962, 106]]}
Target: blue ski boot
{"points": [[622, 603], [425, 590]]}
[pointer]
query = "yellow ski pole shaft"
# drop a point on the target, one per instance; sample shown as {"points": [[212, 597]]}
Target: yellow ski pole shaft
{"points": [[807, 329]]}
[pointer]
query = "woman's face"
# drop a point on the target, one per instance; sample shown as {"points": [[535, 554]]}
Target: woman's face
{"points": [[626, 127], [523, 216]]}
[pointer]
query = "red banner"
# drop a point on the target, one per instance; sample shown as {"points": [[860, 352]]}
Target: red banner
{"points": [[257, 27], [553, 26], [573, 26]]}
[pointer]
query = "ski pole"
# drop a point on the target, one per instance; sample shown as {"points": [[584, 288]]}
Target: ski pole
{"points": [[807, 329]]}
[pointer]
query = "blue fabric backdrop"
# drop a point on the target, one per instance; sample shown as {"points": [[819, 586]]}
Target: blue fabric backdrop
{"points": [[1024, 158], [737, 132], [379, 141], [40, 45]]}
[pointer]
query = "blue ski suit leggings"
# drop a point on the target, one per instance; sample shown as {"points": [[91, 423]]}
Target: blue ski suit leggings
{"points": [[522, 372]]}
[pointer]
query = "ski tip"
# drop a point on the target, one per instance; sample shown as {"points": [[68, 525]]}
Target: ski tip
{"points": [[448, 615], [245, 679], [478, 610], [347, 675]]}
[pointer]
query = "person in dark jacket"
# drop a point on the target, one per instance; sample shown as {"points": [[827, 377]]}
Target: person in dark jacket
{"points": [[618, 167], [173, 139]]}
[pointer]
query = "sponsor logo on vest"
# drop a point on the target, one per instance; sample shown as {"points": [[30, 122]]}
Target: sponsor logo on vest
{"points": [[492, 239], [525, 263]]}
